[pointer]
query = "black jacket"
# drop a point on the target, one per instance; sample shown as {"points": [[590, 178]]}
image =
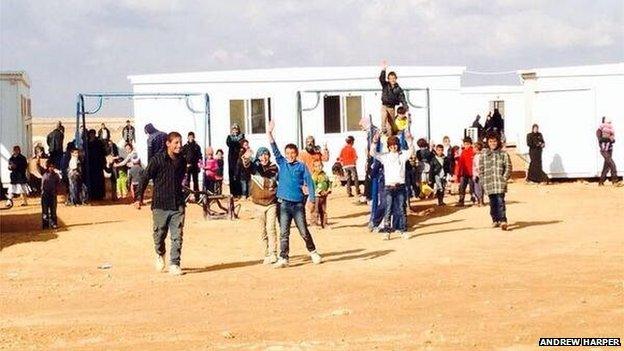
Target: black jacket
{"points": [[391, 95], [55, 141], [436, 167], [192, 154], [18, 165], [167, 174], [104, 134], [128, 134]]}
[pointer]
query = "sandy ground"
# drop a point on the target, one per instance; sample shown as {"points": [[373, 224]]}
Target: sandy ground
{"points": [[456, 284]]}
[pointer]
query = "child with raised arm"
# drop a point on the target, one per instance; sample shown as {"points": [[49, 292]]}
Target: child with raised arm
{"points": [[494, 171], [293, 176], [391, 96], [394, 171]]}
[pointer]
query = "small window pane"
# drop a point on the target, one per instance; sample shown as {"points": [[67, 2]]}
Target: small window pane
{"points": [[237, 113], [354, 112], [258, 122], [332, 114]]}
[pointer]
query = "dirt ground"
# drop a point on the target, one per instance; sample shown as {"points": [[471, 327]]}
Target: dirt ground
{"points": [[457, 284]]}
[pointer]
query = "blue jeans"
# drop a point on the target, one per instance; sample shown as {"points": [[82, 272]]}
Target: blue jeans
{"points": [[244, 186], [497, 208], [75, 191], [378, 201], [172, 221], [395, 207], [288, 211]]}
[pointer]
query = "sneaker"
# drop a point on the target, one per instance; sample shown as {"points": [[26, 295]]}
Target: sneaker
{"points": [[270, 259], [504, 226], [378, 229], [316, 258], [405, 235], [385, 236], [9, 203], [174, 269], [54, 226], [160, 263], [495, 224], [281, 263], [459, 204]]}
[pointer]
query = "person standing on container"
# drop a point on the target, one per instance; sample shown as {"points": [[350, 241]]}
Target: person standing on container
{"points": [[391, 96]]}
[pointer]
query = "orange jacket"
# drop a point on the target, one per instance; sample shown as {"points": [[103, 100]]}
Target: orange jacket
{"points": [[348, 156]]}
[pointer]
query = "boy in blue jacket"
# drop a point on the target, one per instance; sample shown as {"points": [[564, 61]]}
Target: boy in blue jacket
{"points": [[293, 176]]}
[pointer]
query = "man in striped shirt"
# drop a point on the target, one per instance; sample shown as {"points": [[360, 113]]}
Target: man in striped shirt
{"points": [[167, 169]]}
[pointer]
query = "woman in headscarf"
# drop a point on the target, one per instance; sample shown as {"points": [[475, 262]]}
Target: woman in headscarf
{"points": [[233, 143], [535, 142], [96, 161]]}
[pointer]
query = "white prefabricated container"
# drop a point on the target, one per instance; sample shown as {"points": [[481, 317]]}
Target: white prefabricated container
{"points": [[568, 104], [15, 118], [333, 100], [480, 100]]}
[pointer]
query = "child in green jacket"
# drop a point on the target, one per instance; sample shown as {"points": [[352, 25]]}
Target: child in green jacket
{"points": [[322, 187]]}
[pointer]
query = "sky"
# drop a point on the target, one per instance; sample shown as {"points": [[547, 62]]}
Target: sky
{"points": [[75, 46]]}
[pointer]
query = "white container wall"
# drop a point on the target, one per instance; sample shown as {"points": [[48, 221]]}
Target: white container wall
{"points": [[568, 103], [276, 90], [15, 118]]}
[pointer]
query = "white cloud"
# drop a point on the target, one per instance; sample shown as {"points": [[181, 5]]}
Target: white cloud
{"points": [[59, 43]]}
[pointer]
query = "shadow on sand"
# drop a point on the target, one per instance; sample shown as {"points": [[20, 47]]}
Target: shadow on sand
{"points": [[18, 228], [299, 260]]}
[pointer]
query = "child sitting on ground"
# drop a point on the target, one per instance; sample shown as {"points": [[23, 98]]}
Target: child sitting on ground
{"points": [[440, 168], [50, 182], [495, 170], [322, 187]]}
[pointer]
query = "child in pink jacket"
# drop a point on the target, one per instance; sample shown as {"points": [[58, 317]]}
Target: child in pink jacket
{"points": [[209, 165]]}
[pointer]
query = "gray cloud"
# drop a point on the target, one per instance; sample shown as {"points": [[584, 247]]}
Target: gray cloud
{"points": [[74, 45]]}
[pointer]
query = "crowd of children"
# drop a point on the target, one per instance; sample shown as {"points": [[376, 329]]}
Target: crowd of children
{"points": [[296, 187]]}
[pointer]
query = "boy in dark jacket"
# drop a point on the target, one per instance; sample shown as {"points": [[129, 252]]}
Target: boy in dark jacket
{"points": [[440, 168], [192, 153], [263, 190], [50, 183], [391, 96]]}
